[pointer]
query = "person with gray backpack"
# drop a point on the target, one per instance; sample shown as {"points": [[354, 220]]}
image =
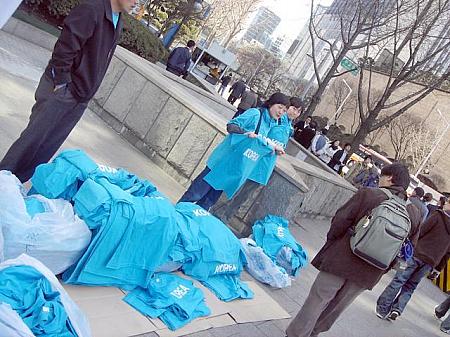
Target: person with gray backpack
{"points": [[350, 262]]}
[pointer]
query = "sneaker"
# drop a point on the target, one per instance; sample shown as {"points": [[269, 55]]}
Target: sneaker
{"points": [[437, 314], [447, 331], [381, 316], [393, 315]]}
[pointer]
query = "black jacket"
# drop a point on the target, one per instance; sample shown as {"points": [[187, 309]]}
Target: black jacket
{"points": [[226, 80], [305, 137], [237, 89], [336, 160], [85, 48], [179, 60]]}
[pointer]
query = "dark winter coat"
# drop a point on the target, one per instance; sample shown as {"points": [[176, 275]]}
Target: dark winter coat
{"points": [[237, 89], [305, 137], [226, 80], [433, 245], [85, 48], [179, 60], [336, 257], [416, 220], [336, 160]]}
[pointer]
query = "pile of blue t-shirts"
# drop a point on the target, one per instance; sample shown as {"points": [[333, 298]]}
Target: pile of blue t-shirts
{"points": [[175, 300], [66, 173], [273, 236], [32, 297], [210, 252], [133, 236]]}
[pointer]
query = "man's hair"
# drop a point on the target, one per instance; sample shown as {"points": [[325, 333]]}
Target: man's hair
{"points": [[313, 124], [369, 157], [443, 200], [399, 174], [191, 43], [347, 144], [419, 192], [230, 74], [324, 131], [297, 102], [308, 117], [428, 197]]}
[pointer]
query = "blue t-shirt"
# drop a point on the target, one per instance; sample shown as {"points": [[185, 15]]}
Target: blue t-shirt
{"points": [[115, 17]]}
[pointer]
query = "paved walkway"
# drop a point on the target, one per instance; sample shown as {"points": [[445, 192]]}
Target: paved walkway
{"points": [[20, 66]]}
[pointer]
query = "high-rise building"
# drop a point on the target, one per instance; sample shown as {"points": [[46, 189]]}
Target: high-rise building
{"points": [[261, 28]]}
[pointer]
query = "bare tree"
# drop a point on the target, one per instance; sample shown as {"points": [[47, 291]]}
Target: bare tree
{"points": [[355, 22], [415, 41], [229, 17], [420, 145], [339, 91], [401, 135]]}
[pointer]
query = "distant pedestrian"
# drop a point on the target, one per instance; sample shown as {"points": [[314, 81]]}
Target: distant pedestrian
{"points": [[427, 198], [440, 311], [343, 276], [180, 59], [248, 100], [319, 141], [75, 71], [328, 151], [340, 158], [416, 199], [364, 174], [302, 125], [430, 256], [236, 91], [305, 136], [440, 205], [225, 81]]}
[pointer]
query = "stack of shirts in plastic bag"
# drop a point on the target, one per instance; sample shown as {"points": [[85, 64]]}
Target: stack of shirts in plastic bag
{"points": [[273, 255], [45, 229], [33, 303], [273, 236]]}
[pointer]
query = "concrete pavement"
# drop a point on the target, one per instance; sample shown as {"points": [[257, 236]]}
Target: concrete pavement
{"points": [[20, 66]]}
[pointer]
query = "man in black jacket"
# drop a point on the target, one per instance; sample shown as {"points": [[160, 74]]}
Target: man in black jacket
{"points": [[180, 59], [237, 89], [76, 69]]}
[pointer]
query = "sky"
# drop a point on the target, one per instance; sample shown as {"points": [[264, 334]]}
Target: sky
{"points": [[293, 14]]}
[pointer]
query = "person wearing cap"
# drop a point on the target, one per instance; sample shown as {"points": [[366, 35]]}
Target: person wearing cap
{"points": [[253, 123]]}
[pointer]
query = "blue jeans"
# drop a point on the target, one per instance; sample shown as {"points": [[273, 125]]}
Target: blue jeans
{"points": [[201, 193], [398, 293]]}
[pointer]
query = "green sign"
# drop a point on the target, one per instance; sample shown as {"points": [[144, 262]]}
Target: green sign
{"points": [[349, 65]]}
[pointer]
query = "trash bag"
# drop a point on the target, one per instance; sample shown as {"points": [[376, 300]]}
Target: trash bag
{"points": [[45, 229], [77, 318], [262, 268]]}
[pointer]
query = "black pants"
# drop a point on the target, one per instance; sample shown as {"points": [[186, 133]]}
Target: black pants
{"points": [[52, 118], [232, 99]]}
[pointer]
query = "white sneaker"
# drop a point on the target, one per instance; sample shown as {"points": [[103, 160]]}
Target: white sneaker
{"points": [[381, 316]]}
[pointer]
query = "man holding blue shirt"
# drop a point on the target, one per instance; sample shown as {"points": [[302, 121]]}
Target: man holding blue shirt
{"points": [[75, 71]]}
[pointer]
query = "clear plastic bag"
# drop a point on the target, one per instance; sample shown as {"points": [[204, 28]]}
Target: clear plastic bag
{"points": [[76, 316], [262, 268], [56, 237]]}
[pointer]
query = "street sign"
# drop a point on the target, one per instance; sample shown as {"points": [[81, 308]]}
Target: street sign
{"points": [[349, 65]]}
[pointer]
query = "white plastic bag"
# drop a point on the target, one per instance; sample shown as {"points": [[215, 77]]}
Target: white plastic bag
{"points": [[76, 316], [56, 237], [262, 268], [11, 324]]}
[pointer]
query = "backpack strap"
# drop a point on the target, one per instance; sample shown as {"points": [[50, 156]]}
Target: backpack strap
{"points": [[260, 121]]}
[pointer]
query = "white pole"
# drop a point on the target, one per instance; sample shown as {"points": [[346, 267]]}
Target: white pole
{"points": [[8, 8], [342, 104], [435, 145]]}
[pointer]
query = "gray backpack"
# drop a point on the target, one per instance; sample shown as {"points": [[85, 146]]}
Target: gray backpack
{"points": [[378, 237]]}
